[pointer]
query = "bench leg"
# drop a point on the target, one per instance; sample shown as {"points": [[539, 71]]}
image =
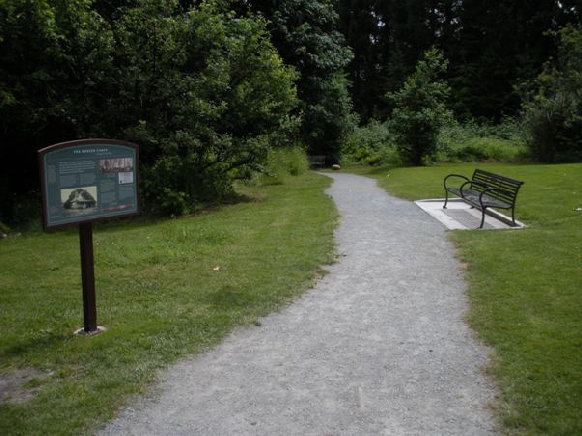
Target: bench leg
{"points": [[482, 218], [446, 199]]}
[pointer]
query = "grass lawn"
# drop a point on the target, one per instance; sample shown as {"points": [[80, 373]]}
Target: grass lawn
{"points": [[526, 290], [164, 289]]}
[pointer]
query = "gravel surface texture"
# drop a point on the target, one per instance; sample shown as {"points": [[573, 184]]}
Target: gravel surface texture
{"points": [[379, 346]]}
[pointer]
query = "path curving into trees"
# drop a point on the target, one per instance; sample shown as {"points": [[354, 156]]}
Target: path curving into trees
{"points": [[379, 346]]}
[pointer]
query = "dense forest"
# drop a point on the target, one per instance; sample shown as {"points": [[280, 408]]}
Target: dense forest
{"points": [[207, 88], [490, 46]]}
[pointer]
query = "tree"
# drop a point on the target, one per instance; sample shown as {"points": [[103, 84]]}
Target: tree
{"points": [[490, 46], [306, 35], [202, 91], [552, 105], [367, 71], [420, 109], [388, 38], [52, 53]]}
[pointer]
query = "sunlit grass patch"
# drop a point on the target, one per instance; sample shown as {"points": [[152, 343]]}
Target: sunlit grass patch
{"points": [[164, 289], [525, 290]]}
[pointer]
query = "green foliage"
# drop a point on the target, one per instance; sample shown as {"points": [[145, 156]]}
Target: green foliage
{"points": [[420, 109], [489, 45], [283, 163], [306, 35], [552, 106], [213, 95], [328, 116], [372, 144], [202, 91], [51, 53], [481, 142]]}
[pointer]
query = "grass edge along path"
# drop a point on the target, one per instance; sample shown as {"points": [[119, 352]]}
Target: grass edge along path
{"points": [[525, 290], [165, 289]]}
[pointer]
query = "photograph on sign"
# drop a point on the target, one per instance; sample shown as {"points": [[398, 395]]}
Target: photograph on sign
{"points": [[116, 165], [88, 179], [79, 201]]}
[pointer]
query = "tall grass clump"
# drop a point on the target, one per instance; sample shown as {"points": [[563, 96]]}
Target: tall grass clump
{"points": [[473, 142], [283, 163]]}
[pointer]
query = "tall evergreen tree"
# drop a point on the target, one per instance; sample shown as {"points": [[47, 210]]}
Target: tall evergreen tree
{"points": [[491, 46], [420, 109], [388, 38], [361, 26], [500, 43]]}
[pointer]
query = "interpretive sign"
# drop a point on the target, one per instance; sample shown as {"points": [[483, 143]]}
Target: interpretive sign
{"points": [[83, 181], [87, 180]]}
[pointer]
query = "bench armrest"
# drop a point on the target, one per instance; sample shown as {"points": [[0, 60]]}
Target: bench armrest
{"points": [[454, 175]]}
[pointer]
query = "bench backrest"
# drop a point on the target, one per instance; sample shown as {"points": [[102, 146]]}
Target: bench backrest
{"points": [[509, 187], [316, 160]]}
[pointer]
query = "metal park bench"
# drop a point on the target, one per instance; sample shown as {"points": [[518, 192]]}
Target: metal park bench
{"points": [[483, 190], [316, 161]]}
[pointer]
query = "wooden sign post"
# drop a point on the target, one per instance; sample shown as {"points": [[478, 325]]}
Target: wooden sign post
{"points": [[88, 276], [82, 182]]}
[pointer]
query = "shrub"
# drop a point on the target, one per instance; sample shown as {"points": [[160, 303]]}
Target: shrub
{"points": [[552, 103], [201, 90], [283, 163], [481, 142], [420, 109], [371, 144]]}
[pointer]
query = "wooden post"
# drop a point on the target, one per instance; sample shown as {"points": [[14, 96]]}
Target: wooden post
{"points": [[88, 275]]}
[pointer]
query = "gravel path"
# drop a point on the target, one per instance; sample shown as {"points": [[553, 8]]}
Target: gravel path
{"points": [[379, 346]]}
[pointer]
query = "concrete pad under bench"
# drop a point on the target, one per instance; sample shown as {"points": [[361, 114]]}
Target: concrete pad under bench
{"points": [[459, 216]]}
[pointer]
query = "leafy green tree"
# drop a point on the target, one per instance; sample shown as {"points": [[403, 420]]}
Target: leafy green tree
{"points": [[420, 109], [552, 105], [204, 92], [489, 45], [307, 37], [52, 55]]}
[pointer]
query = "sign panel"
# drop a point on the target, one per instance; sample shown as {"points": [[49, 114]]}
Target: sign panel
{"points": [[87, 180]]}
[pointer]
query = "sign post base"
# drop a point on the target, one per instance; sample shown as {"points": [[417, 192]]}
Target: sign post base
{"points": [[82, 332]]}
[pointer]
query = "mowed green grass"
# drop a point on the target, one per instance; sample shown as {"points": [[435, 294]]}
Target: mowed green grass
{"points": [[525, 287], [164, 289]]}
